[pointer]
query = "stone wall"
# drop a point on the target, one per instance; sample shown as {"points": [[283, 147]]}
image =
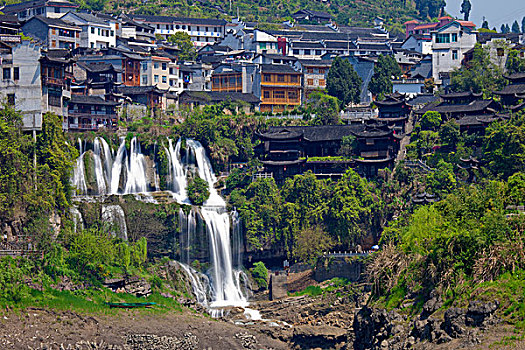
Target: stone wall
{"points": [[278, 286], [349, 268]]}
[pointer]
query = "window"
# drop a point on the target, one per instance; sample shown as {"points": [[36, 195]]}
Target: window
{"points": [[262, 46], [267, 78], [442, 38], [112, 33], [183, 27], [454, 54], [206, 29], [57, 9], [278, 94], [53, 31], [454, 37], [280, 78], [177, 27], [53, 43], [322, 82], [310, 82], [318, 52], [144, 79], [11, 99], [189, 28], [164, 79], [266, 94], [98, 31], [292, 95], [198, 28], [156, 78], [92, 45], [321, 70], [156, 65], [295, 51], [117, 26], [6, 73], [164, 66], [500, 51], [309, 70], [306, 51], [294, 79], [16, 73]]}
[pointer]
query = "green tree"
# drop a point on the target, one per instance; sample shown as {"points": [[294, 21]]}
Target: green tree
{"points": [[343, 82], [185, 45], [260, 274], [515, 63], [325, 107], [353, 208], [198, 190], [310, 244], [504, 147], [443, 180], [384, 70], [430, 8], [481, 74], [516, 188], [431, 120], [466, 6], [523, 24], [515, 27], [449, 134], [348, 145]]}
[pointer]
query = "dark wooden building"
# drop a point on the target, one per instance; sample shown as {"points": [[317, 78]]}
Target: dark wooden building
{"points": [[459, 104], [394, 111], [514, 92], [287, 151]]}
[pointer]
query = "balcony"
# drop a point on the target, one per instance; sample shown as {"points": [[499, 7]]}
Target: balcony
{"points": [[54, 81], [92, 115], [281, 101]]}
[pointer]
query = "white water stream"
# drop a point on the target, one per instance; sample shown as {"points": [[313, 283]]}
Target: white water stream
{"points": [[224, 285]]}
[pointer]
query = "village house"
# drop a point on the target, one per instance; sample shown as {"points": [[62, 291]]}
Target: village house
{"points": [[89, 113], [281, 88], [54, 33], [46, 8], [96, 32]]}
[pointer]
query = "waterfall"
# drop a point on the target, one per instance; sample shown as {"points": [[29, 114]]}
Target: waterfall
{"points": [[117, 166], [113, 216], [225, 280], [188, 225], [99, 171], [79, 173], [199, 284], [206, 173], [176, 172], [136, 170], [78, 221]]}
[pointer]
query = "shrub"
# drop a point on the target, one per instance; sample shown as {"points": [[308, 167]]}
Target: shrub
{"points": [[198, 191], [260, 274]]}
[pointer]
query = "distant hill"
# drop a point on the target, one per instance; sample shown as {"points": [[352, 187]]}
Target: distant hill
{"points": [[345, 12]]}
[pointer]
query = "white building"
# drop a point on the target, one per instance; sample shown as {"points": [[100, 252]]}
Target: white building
{"points": [[21, 84], [96, 32], [449, 43], [421, 43], [203, 31]]}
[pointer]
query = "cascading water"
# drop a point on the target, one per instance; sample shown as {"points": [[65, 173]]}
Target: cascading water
{"points": [[115, 219], [136, 170], [225, 281], [79, 180], [176, 172], [78, 221], [99, 171], [127, 172]]}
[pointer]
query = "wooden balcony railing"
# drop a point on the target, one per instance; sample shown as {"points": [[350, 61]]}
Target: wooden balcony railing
{"points": [[281, 101]]}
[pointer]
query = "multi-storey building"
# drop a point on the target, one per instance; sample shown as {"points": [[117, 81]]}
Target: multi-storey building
{"points": [[96, 32], [54, 33], [202, 31], [20, 85], [449, 43], [315, 73], [45, 8], [281, 87], [57, 74], [89, 113]]}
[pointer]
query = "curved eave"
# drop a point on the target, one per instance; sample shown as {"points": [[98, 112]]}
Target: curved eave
{"points": [[283, 163]]}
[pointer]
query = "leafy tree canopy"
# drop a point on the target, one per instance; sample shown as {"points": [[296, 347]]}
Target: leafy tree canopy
{"points": [[185, 45], [343, 82]]}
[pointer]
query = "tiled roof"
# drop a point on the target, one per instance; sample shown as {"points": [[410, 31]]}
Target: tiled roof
{"points": [[172, 19], [91, 100], [278, 68]]}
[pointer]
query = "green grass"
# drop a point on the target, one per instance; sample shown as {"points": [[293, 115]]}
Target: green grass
{"points": [[92, 301]]}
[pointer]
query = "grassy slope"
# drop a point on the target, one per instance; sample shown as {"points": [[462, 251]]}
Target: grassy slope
{"points": [[353, 12]]}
